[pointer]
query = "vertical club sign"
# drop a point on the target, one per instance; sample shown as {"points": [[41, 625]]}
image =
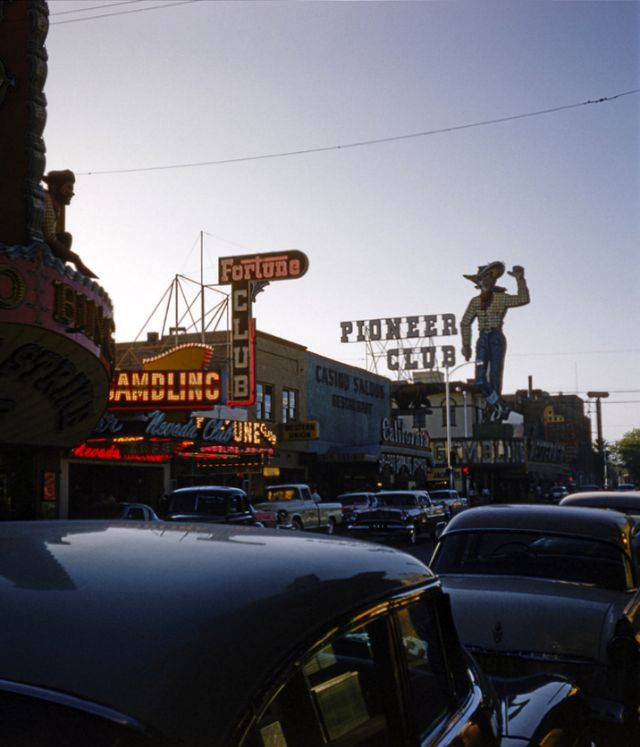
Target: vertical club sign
{"points": [[247, 275]]}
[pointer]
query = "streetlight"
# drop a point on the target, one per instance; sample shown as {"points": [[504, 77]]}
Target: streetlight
{"points": [[447, 373], [598, 396]]}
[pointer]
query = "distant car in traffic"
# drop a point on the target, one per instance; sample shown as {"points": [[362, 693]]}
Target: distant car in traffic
{"points": [[406, 515], [450, 500], [556, 493], [296, 506], [243, 637], [539, 588], [356, 501], [217, 504], [122, 510]]}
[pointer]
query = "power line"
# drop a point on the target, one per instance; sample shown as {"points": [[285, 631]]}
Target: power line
{"points": [[93, 7], [362, 143], [122, 12], [575, 352]]}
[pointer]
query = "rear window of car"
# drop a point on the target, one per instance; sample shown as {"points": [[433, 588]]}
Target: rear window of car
{"points": [[397, 500], [535, 555], [212, 504], [282, 494]]}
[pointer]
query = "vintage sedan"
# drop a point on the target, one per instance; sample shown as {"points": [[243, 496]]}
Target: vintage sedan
{"points": [[194, 635], [122, 510], [356, 501], [450, 500], [407, 515], [549, 589], [217, 504], [625, 501]]}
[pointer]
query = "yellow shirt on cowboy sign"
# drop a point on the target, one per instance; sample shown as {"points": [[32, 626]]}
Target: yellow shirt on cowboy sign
{"points": [[492, 317]]}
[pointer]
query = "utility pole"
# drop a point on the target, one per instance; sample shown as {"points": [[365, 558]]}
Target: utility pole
{"points": [[600, 441]]}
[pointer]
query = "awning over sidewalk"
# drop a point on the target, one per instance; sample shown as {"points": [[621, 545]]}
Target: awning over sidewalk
{"points": [[360, 453]]}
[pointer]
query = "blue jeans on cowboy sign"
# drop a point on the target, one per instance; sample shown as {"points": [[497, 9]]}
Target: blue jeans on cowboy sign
{"points": [[491, 349]]}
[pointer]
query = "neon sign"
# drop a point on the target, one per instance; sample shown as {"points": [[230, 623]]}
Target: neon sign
{"points": [[242, 273], [144, 390]]}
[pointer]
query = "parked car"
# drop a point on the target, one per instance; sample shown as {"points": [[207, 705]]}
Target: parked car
{"points": [[549, 588], [450, 500], [210, 503], [407, 515], [556, 493], [295, 505], [625, 501], [240, 637], [627, 486], [122, 510], [352, 502]]}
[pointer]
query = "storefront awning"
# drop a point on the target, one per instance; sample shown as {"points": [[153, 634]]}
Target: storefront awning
{"points": [[363, 453]]}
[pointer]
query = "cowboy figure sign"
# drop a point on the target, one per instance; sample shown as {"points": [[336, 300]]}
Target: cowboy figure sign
{"points": [[489, 307]]}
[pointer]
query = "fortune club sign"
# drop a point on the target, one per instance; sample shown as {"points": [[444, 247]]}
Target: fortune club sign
{"points": [[245, 274]]}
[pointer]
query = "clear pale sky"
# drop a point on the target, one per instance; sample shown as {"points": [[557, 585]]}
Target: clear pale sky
{"points": [[389, 228]]}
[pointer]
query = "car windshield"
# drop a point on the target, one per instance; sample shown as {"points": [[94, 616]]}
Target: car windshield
{"points": [[211, 504], [281, 494], [534, 555], [439, 495], [397, 500]]}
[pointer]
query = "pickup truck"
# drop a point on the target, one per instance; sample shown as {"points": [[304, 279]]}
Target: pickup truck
{"points": [[296, 508]]}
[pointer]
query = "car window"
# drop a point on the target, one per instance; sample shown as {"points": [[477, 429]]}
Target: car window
{"points": [[431, 688], [349, 692], [397, 500], [565, 558], [282, 494], [135, 513], [339, 695]]}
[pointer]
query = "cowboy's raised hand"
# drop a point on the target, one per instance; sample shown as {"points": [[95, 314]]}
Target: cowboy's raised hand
{"points": [[517, 271]]}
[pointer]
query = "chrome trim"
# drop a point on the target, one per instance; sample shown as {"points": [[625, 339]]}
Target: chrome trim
{"points": [[78, 704]]}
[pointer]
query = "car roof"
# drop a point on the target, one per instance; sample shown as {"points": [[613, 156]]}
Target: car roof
{"points": [[156, 622], [208, 488], [623, 499], [287, 485], [356, 493], [403, 492], [602, 524]]}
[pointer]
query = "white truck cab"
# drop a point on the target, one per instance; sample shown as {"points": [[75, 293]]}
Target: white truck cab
{"points": [[295, 506]]}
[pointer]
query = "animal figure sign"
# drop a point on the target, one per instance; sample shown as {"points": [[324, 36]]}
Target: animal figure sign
{"points": [[490, 307]]}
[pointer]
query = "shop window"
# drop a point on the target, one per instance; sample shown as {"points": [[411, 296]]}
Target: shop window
{"points": [[289, 405], [264, 401], [452, 413]]}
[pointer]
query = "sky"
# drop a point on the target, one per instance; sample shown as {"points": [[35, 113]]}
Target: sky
{"points": [[471, 132]]}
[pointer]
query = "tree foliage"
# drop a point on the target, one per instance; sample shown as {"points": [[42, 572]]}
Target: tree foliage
{"points": [[627, 452]]}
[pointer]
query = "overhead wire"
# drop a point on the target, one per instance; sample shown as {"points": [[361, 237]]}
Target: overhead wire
{"points": [[93, 7], [122, 12], [362, 143]]}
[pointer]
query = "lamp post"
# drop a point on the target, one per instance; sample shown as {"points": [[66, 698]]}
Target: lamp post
{"points": [[600, 442], [447, 373]]}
